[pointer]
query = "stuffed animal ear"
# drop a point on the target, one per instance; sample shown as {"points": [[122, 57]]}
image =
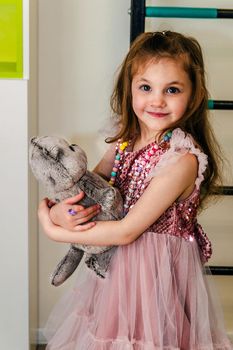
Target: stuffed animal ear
{"points": [[75, 161], [72, 147]]}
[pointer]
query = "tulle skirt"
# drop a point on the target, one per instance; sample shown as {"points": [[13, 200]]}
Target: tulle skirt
{"points": [[156, 296]]}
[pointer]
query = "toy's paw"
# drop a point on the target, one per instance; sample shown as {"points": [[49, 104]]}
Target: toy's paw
{"points": [[66, 266], [99, 263]]}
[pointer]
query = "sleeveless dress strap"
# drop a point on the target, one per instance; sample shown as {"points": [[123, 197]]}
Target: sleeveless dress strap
{"points": [[181, 144]]}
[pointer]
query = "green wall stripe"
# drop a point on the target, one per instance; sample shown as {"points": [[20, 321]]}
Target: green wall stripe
{"points": [[210, 104], [184, 12]]}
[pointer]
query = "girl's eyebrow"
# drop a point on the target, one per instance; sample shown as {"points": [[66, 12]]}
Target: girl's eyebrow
{"points": [[175, 82], [143, 80]]}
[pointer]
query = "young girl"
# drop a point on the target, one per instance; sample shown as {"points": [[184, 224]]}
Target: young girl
{"points": [[156, 295]]}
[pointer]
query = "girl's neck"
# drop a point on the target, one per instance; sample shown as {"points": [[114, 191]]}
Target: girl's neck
{"points": [[140, 143], [143, 140]]}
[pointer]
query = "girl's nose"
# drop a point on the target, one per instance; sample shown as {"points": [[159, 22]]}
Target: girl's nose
{"points": [[157, 100]]}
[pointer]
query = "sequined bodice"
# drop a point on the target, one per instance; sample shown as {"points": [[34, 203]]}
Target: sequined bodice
{"points": [[132, 181], [180, 218], [134, 168]]}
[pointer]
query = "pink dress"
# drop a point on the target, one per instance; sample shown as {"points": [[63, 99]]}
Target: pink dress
{"points": [[156, 295]]}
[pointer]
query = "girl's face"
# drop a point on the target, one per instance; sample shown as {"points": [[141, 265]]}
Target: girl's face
{"points": [[161, 93]]}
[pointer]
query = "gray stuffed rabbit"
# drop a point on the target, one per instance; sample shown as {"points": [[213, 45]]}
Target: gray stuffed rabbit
{"points": [[62, 169]]}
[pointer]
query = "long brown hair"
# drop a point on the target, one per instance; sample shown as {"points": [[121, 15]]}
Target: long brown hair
{"points": [[154, 46]]}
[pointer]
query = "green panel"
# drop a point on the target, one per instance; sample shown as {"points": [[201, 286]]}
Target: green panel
{"points": [[11, 39], [211, 104], [181, 12]]}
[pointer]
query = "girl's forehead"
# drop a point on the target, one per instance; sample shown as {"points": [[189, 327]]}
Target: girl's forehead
{"points": [[141, 66]]}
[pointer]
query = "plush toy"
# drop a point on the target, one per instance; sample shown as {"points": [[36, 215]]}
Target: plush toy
{"points": [[62, 169]]}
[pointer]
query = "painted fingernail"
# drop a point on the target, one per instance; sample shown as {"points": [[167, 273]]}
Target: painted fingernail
{"points": [[72, 212]]}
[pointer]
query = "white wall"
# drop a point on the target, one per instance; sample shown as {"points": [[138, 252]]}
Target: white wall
{"points": [[14, 216], [33, 188], [80, 46], [18, 251]]}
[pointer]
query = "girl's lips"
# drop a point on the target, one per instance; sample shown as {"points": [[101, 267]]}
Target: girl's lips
{"points": [[157, 114]]}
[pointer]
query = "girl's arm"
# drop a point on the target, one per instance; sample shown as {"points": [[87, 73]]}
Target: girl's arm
{"points": [[161, 193], [104, 167]]}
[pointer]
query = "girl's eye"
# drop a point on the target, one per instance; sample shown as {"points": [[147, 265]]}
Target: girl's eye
{"points": [[173, 90], [145, 87]]}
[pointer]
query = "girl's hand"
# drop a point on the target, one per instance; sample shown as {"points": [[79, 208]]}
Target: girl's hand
{"points": [[54, 232], [69, 215]]}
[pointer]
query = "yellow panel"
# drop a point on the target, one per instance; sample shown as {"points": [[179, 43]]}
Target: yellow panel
{"points": [[11, 43]]}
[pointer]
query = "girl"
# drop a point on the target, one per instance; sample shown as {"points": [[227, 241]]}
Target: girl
{"points": [[155, 295]]}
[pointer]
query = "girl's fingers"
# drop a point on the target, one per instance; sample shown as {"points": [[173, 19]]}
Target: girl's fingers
{"points": [[44, 204], [76, 213], [87, 211], [77, 208], [50, 203], [85, 227], [80, 221], [75, 199], [82, 218]]}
